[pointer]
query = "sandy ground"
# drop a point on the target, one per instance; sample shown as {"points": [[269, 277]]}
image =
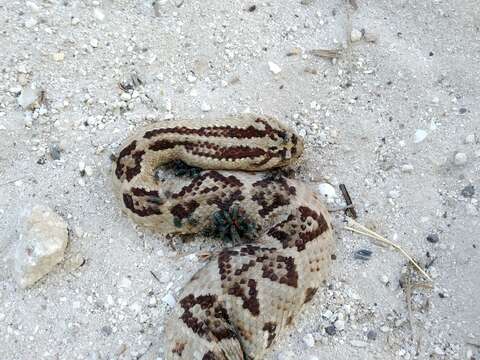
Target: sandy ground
{"points": [[359, 115]]}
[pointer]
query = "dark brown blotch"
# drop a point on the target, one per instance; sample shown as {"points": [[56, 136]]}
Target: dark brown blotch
{"points": [[309, 294], [270, 327]]}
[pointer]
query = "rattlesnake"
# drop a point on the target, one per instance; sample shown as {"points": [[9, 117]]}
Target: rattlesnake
{"points": [[237, 304]]}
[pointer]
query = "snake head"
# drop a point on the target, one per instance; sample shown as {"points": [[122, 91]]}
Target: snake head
{"points": [[232, 225], [292, 146]]}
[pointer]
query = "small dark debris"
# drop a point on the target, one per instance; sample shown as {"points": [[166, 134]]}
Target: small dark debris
{"points": [[130, 83], [252, 8], [468, 191], [331, 330], [371, 335], [82, 173], [441, 295], [354, 4], [433, 238], [42, 160], [430, 262], [430, 53], [462, 110], [333, 257], [363, 254], [155, 276]]}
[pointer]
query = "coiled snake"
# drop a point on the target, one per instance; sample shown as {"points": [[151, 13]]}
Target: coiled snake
{"points": [[236, 305]]}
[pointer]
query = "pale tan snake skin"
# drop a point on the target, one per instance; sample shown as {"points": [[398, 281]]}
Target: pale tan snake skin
{"points": [[238, 303]]}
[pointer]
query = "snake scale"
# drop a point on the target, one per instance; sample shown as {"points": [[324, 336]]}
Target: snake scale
{"points": [[237, 304]]}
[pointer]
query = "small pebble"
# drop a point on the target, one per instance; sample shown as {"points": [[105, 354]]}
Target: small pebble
{"points": [[460, 159], [30, 23], [125, 283], [462, 110], [99, 14], [362, 254], [420, 135], [88, 170], [274, 68], [28, 97], [331, 330], [358, 343], [384, 279], [309, 340], [60, 56], [433, 238], [191, 78], [471, 209], [106, 330], [385, 329], [169, 300], [372, 335], [407, 168], [470, 139], [356, 35], [205, 107], [393, 194], [468, 191], [340, 325], [125, 96], [94, 43]]}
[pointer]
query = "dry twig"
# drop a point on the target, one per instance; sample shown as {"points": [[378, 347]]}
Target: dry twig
{"points": [[360, 229], [326, 53]]}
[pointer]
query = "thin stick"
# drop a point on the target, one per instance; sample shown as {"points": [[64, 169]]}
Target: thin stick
{"points": [[348, 200], [408, 295], [155, 276], [365, 231], [12, 181]]}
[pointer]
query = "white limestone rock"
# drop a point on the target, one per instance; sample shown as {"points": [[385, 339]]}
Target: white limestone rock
{"points": [[327, 192], [41, 245], [28, 98]]}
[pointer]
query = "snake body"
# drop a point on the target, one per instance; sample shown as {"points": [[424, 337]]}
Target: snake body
{"points": [[237, 304]]}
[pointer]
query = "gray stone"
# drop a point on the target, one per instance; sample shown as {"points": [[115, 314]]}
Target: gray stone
{"points": [[433, 238], [331, 330], [468, 191]]}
